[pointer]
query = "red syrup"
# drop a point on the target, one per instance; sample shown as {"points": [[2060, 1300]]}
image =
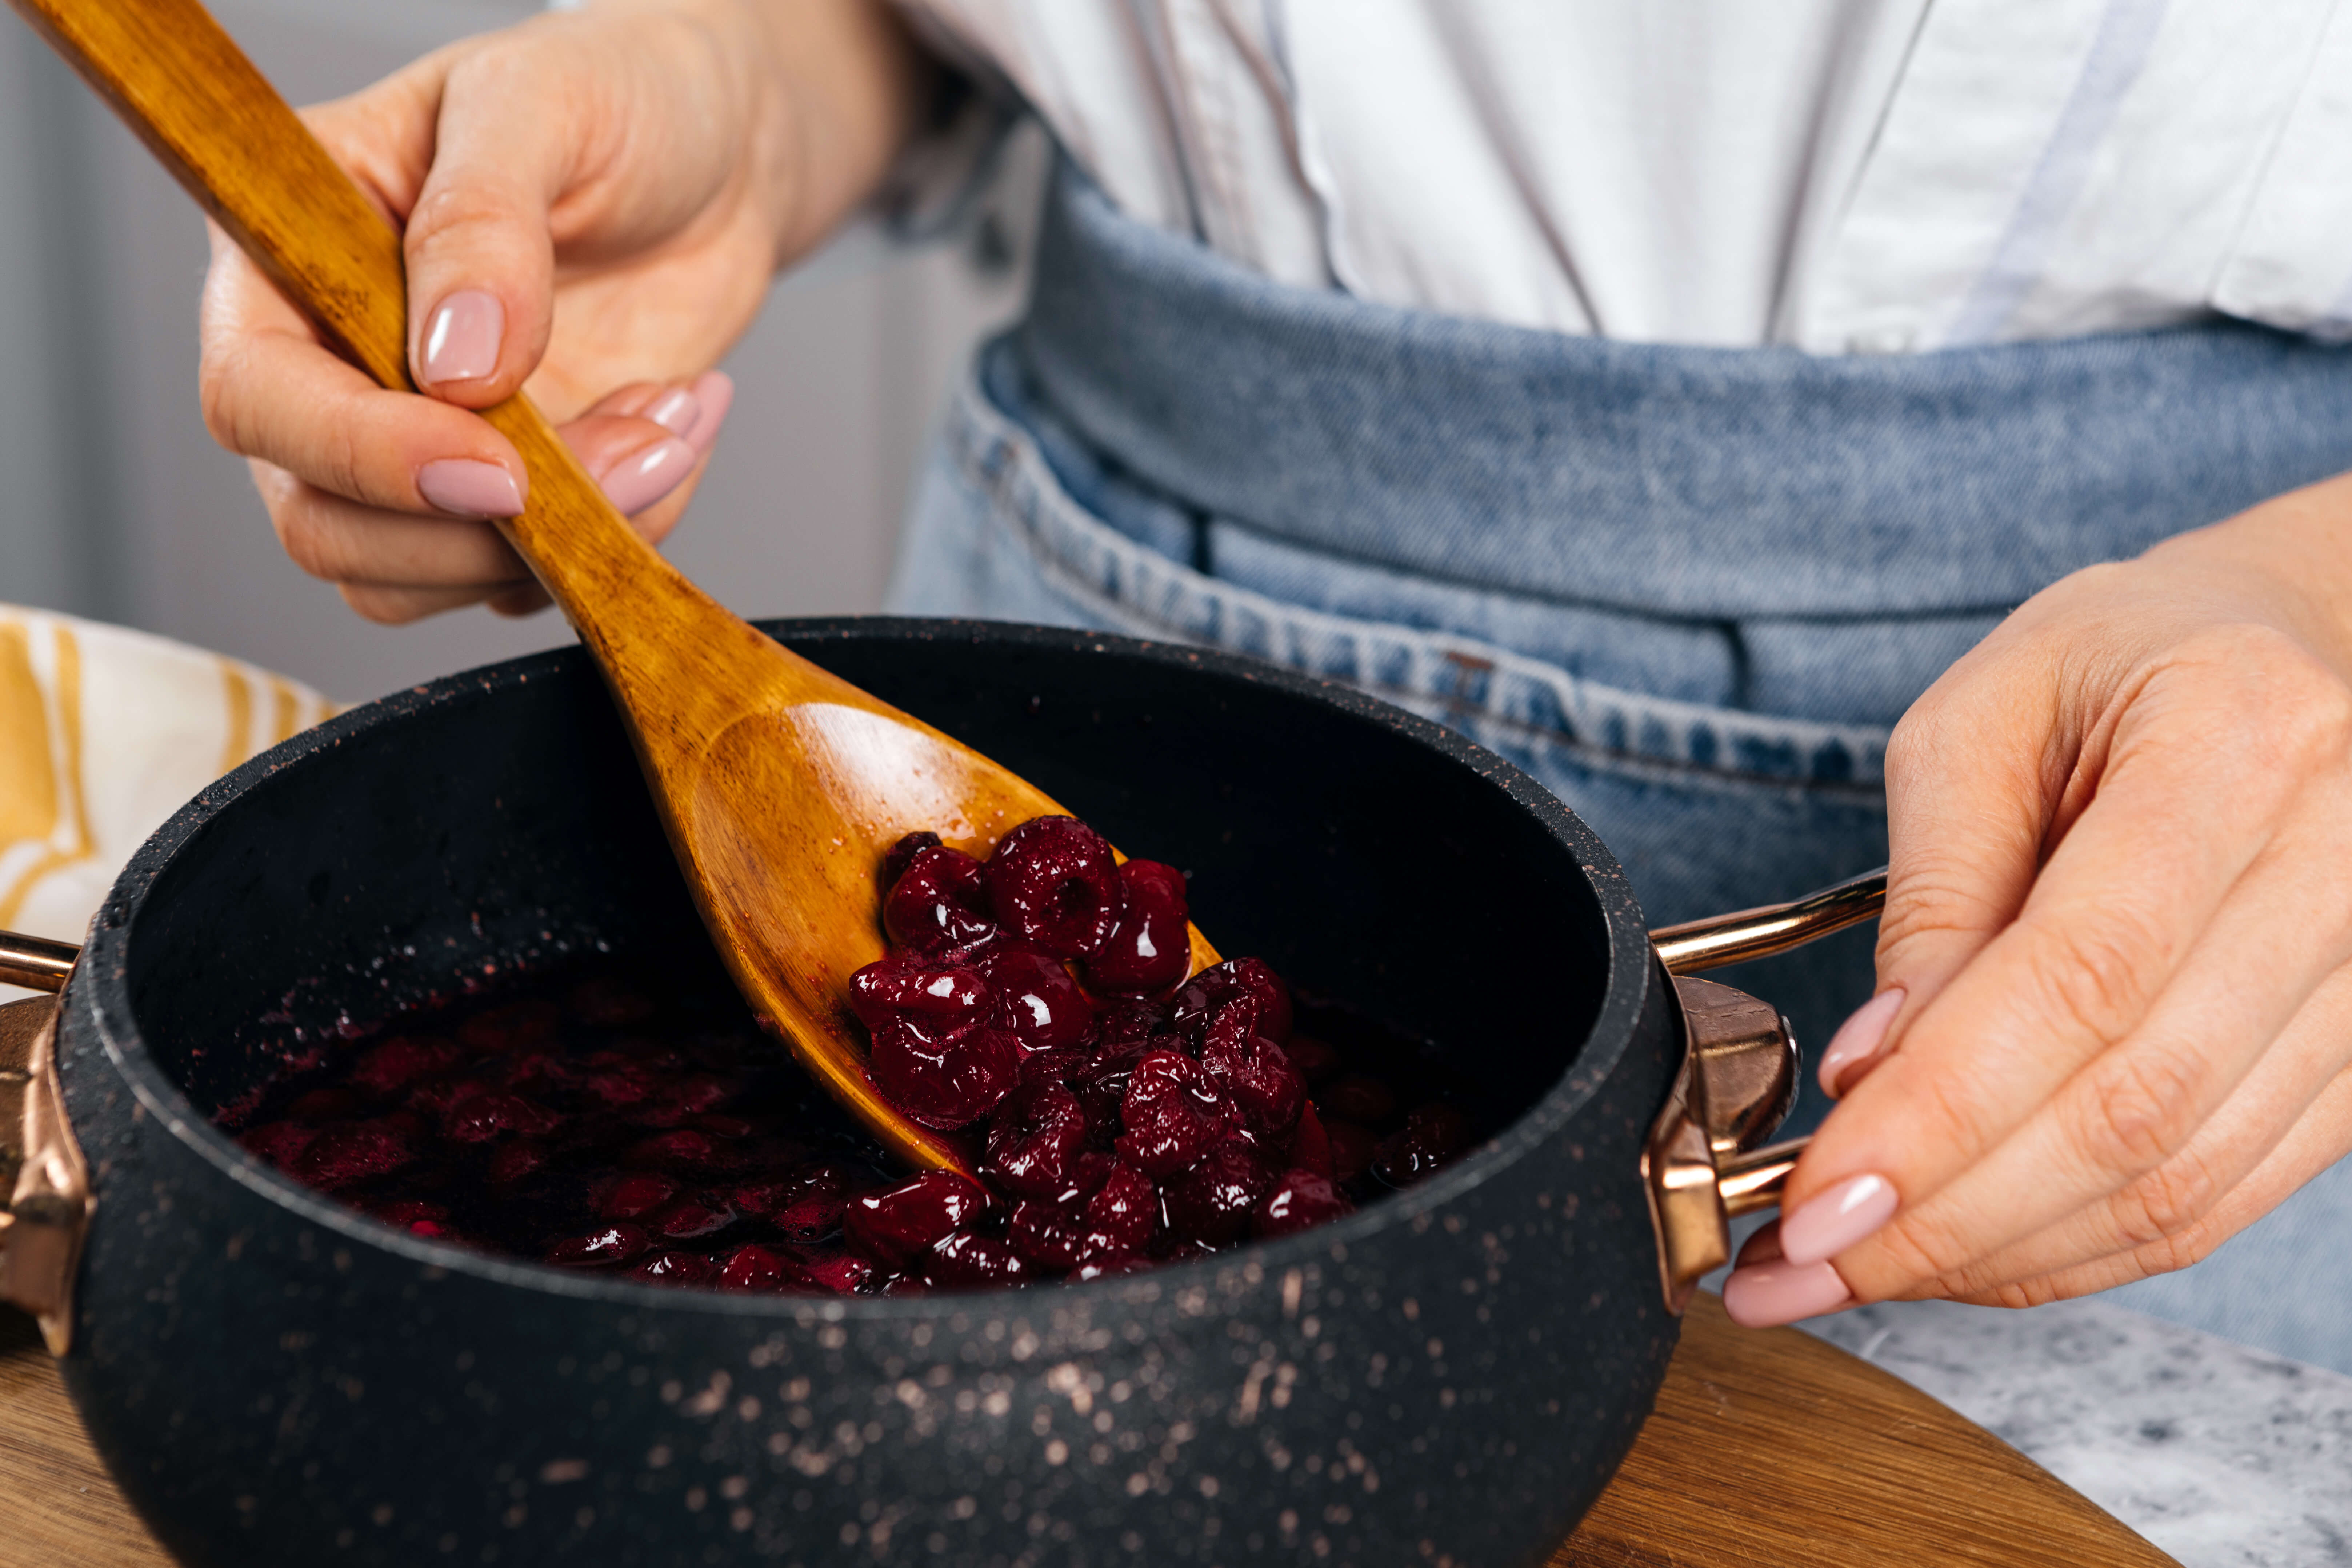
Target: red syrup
{"points": [[1035, 1004]]}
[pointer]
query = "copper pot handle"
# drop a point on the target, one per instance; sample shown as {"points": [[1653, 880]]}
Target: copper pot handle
{"points": [[1705, 1163], [44, 1178]]}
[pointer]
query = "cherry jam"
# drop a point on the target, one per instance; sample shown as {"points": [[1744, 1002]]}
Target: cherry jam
{"points": [[1035, 1006]]}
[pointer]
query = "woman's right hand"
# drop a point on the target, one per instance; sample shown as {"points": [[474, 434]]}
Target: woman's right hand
{"points": [[592, 205]]}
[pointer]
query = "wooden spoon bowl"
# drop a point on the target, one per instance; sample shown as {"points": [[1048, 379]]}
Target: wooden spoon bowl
{"points": [[780, 785]]}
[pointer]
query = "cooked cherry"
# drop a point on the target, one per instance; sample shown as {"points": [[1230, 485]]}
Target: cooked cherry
{"points": [[830, 1268], [1129, 1020], [354, 1151], [683, 1149], [941, 901], [966, 1261], [1300, 1199], [938, 998], [1310, 1146], [1211, 1202], [691, 1219], [681, 1100], [1431, 1136], [1149, 949], [635, 1194], [1236, 979], [1110, 1213], [756, 1267], [1053, 881], [608, 1244], [1252, 1071], [678, 1268], [806, 1208], [1036, 999], [1109, 1267], [1351, 1149], [1355, 1098], [1056, 1066], [901, 855], [1174, 1116], [1032, 1139], [1315, 1060], [1124, 1211], [405, 1212], [895, 1225], [947, 1084], [482, 1116], [517, 1160], [386, 1069]]}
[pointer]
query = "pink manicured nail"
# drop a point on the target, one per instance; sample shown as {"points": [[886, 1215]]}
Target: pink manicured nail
{"points": [[1858, 1040], [1765, 1295], [461, 342], [641, 479], [714, 390], [465, 488], [1832, 1221], [676, 411]]}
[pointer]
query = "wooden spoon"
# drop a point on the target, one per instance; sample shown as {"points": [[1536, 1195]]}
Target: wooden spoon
{"points": [[780, 785]]}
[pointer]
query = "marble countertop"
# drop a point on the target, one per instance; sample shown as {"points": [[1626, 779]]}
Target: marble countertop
{"points": [[2222, 1456]]}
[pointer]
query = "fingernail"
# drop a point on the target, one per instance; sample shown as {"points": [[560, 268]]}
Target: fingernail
{"points": [[1766, 1294], [465, 488], [1858, 1040], [641, 479], [461, 342], [714, 390], [1833, 1221], [676, 411]]}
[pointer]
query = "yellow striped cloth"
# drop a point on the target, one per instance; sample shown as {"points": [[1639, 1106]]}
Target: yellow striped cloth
{"points": [[104, 732]]}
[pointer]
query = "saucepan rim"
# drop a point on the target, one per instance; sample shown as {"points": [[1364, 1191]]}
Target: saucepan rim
{"points": [[99, 991]]}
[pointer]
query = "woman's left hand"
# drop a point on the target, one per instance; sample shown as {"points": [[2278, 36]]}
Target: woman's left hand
{"points": [[2114, 1014]]}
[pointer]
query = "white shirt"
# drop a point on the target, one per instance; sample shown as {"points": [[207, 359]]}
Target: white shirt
{"points": [[1844, 176]]}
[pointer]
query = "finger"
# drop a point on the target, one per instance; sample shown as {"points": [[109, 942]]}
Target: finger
{"points": [[631, 445], [477, 242], [2150, 1215], [2205, 758], [394, 606], [516, 602], [2319, 1138], [633, 456], [1970, 793], [271, 391], [341, 541]]}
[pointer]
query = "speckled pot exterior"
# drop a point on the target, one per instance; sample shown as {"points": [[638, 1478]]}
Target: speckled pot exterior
{"points": [[1450, 1376]]}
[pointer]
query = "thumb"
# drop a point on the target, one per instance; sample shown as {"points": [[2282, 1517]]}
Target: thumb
{"points": [[480, 254], [1968, 811]]}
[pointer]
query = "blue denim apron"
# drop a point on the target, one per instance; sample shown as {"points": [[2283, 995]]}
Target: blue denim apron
{"points": [[1690, 590]]}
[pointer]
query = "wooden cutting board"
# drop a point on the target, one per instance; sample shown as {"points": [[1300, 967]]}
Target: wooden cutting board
{"points": [[1768, 1450]]}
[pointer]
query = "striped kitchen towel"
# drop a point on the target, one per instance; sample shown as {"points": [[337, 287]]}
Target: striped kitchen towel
{"points": [[104, 732]]}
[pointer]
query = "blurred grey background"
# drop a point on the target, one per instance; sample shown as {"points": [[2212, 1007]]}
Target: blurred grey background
{"points": [[115, 504]]}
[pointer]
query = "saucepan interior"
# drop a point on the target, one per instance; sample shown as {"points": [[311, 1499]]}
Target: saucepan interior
{"points": [[444, 838]]}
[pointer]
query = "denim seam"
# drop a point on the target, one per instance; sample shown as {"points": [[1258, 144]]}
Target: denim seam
{"points": [[1448, 676]]}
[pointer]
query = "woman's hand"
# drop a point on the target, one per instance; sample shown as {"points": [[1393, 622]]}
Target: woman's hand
{"points": [[2114, 1009], [592, 205]]}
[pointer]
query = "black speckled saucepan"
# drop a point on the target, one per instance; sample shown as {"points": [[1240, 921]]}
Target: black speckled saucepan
{"points": [[1449, 1375]]}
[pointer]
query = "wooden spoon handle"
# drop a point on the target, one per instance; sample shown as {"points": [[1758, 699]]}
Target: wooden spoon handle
{"points": [[181, 83]]}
